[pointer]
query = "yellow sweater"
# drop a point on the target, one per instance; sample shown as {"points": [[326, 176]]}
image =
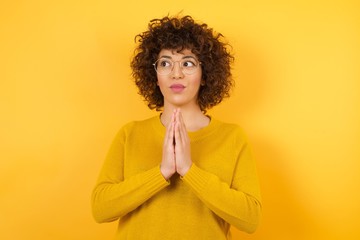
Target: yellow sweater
{"points": [[221, 187]]}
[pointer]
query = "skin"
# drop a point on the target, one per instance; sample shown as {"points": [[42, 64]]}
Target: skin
{"points": [[181, 114]]}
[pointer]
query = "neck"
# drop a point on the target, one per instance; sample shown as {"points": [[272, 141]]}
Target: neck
{"points": [[194, 118]]}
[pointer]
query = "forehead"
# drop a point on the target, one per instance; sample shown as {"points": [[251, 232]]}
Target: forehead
{"points": [[175, 54]]}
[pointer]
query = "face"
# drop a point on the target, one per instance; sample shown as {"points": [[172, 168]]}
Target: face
{"points": [[179, 88]]}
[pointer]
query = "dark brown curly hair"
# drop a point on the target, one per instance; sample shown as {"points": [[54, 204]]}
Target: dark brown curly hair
{"points": [[178, 33]]}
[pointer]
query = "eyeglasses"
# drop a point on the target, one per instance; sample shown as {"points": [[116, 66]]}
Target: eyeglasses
{"points": [[164, 66]]}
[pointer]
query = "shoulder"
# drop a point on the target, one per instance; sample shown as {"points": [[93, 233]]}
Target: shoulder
{"points": [[230, 130], [137, 126], [228, 126]]}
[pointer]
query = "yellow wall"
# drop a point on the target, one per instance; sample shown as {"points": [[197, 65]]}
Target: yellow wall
{"points": [[65, 89]]}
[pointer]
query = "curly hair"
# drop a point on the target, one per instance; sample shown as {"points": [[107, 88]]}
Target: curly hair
{"points": [[179, 33]]}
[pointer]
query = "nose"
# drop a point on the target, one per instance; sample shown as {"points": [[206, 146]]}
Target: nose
{"points": [[177, 71]]}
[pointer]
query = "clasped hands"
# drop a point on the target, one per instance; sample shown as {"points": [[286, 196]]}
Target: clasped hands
{"points": [[176, 149]]}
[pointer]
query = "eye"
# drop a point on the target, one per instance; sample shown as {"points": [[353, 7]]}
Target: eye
{"points": [[189, 64], [163, 63]]}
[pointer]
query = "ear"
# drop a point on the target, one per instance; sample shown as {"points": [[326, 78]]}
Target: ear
{"points": [[202, 83]]}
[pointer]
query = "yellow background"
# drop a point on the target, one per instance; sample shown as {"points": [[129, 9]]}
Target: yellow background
{"points": [[66, 89]]}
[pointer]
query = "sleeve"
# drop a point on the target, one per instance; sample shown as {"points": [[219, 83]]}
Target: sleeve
{"points": [[238, 204], [114, 196]]}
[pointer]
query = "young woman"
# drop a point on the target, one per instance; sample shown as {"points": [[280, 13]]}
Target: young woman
{"points": [[181, 174]]}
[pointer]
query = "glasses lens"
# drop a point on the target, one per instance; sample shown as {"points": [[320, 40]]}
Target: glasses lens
{"points": [[163, 66], [189, 66]]}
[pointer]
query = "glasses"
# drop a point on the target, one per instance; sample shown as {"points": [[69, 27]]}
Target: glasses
{"points": [[164, 66]]}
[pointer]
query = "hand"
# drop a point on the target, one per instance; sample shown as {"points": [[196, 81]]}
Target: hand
{"points": [[182, 145], [168, 167]]}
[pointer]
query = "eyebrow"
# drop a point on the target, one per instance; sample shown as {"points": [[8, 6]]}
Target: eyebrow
{"points": [[184, 57]]}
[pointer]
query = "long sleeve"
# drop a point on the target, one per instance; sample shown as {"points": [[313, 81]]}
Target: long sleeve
{"points": [[114, 196], [238, 202]]}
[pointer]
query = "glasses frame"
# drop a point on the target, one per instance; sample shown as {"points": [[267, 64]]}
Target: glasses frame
{"points": [[198, 63]]}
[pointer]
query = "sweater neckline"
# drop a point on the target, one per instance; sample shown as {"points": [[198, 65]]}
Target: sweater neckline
{"points": [[195, 135]]}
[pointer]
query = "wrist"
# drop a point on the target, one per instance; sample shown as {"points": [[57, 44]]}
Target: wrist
{"points": [[166, 173], [182, 172]]}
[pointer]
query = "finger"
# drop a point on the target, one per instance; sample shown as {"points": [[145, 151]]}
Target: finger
{"points": [[177, 112], [173, 124], [169, 134], [180, 127], [171, 130], [181, 119], [177, 133], [183, 131], [168, 131], [175, 118]]}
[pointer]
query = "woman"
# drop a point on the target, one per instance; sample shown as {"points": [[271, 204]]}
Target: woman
{"points": [[181, 174]]}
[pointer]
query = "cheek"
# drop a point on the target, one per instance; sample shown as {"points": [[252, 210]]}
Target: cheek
{"points": [[197, 81], [161, 84], [159, 80]]}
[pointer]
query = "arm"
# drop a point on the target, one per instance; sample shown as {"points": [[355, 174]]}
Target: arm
{"points": [[238, 204], [114, 196], [236, 207]]}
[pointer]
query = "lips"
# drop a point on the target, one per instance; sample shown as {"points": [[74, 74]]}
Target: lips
{"points": [[177, 87]]}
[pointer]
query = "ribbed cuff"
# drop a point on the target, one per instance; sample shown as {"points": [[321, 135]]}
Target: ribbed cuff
{"points": [[197, 178], [154, 180]]}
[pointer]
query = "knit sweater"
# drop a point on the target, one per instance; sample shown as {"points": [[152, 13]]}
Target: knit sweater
{"points": [[220, 189]]}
